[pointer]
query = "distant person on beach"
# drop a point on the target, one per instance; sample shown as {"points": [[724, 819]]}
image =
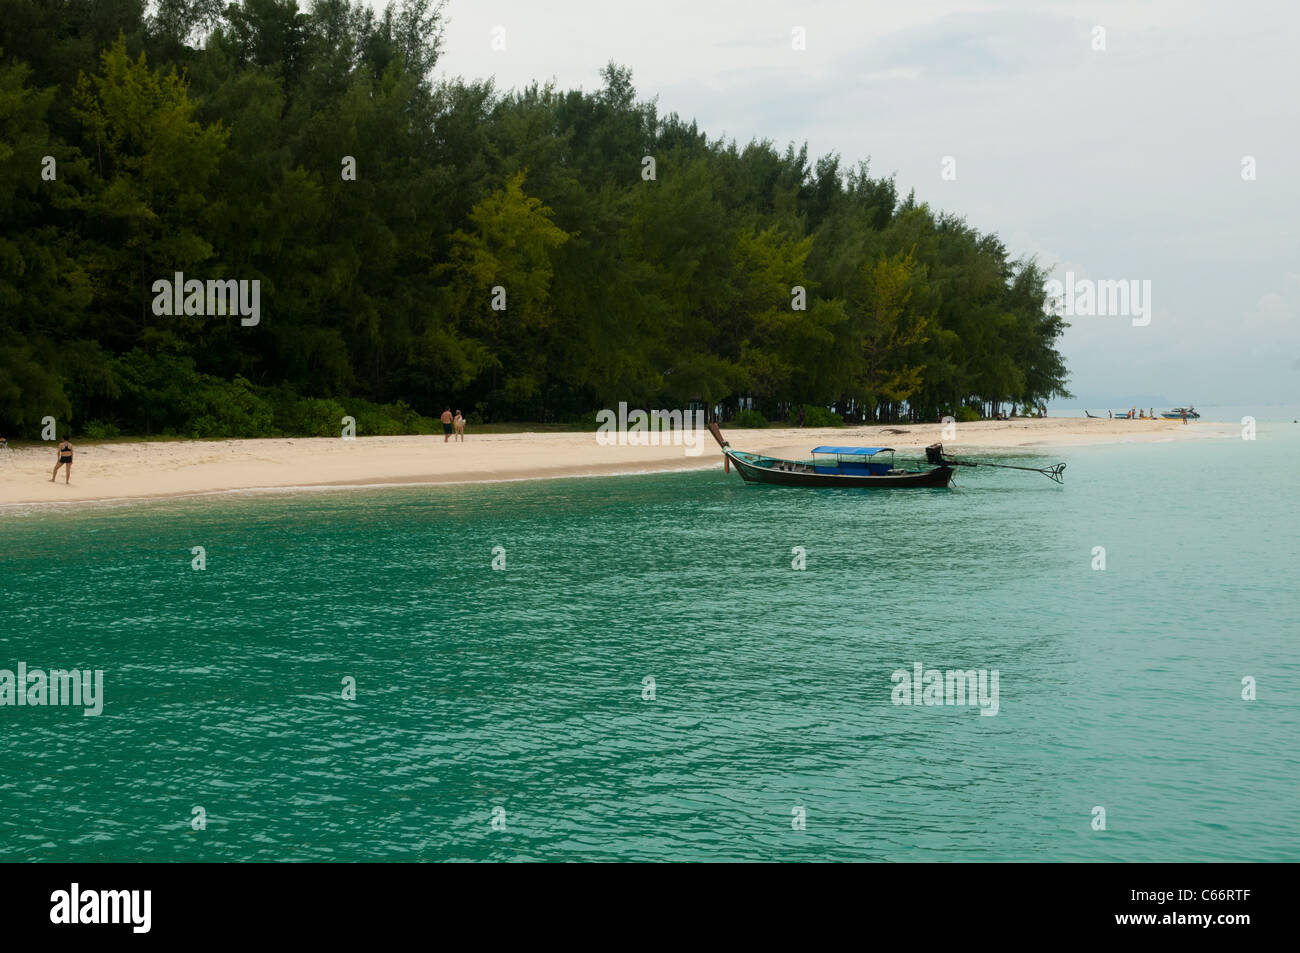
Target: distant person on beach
{"points": [[458, 426], [1184, 416], [446, 425], [65, 459]]}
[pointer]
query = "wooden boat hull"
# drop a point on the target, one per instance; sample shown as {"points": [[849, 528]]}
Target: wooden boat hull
{"points": [[757, 469]]}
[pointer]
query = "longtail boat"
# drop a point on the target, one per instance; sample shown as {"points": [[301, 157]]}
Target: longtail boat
{"points": [[857, 467], [860, 467]]}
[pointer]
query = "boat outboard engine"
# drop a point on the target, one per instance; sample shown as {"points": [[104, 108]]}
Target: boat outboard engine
{"points": [[934, 454]]}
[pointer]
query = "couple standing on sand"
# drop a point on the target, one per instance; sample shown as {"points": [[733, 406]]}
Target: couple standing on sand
{"points": [[452, 425]]}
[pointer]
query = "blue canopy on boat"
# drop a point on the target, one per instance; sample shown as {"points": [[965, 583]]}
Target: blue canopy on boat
{"points": [[853, 451]]}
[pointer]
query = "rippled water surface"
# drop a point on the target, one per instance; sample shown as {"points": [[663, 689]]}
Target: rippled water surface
{"points": [[523, 689]]}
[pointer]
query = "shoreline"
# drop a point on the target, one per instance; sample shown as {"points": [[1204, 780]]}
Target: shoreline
{"points": [[134, 471]]}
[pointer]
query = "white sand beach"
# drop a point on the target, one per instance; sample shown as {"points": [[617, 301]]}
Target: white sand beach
{"points": [[144, 469]]}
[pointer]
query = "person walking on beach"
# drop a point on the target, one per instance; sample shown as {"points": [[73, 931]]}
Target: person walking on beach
{"points": [[458, 425], [1184, 416], [446, 425], [65, 459]]}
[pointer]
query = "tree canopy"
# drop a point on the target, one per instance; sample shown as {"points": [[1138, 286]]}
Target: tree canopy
{"points": [[530, 255]]}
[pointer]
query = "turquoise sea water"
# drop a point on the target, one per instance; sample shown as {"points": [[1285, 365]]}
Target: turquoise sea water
{"points": [[522, 689]]}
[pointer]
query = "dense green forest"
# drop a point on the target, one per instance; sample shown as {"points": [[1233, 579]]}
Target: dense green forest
{"points": [[421, 243]]}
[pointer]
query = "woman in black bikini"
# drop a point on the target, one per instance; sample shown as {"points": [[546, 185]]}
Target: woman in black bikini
{"points": [[65, 459]]}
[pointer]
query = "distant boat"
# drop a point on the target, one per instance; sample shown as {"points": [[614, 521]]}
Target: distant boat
{"points": [[1177, 414]]}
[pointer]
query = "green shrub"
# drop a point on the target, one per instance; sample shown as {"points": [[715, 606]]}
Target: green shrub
{"points": [[966, 414], [323, 416], [748, 418], [99, 430], [388, 420], [159, 390], [311, 417], [221, 409], [413, 420], [817, 416]]}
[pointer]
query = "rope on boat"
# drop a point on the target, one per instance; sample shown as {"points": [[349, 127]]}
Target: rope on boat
{"points": [[934, 454]]}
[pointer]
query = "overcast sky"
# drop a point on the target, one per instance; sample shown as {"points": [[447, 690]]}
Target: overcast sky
{"points": [[1122, 163]]}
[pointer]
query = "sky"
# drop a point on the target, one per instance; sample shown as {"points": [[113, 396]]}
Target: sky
{"points": [[1139, 141]]}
